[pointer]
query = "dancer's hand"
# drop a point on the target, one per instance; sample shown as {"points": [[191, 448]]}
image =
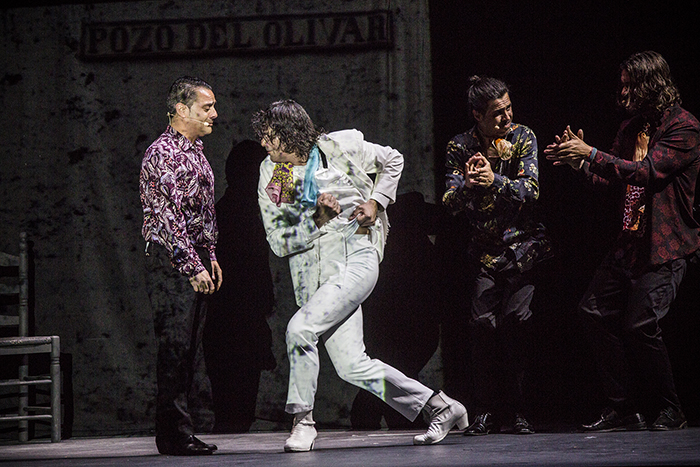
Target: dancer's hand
{"points": [[216, 274], [366, 213], [569, 148], [327, 207], [479, 172], [202, 283]]}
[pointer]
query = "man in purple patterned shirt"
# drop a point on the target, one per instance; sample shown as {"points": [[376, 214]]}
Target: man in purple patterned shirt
{"points": [[655, 160], [179, 226]]}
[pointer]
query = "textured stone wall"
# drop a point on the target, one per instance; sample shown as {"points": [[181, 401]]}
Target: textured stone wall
{"points": [[74, 132]]}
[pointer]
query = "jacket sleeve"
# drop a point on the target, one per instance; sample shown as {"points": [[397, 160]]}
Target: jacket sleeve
{"points": [[674, 149], [456, 193], [388, 164]]}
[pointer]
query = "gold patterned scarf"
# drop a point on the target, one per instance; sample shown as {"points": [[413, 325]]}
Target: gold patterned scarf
{"points": [[281, 186]]}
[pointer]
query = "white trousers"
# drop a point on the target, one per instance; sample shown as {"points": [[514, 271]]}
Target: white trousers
{"points": [[335, 313]]}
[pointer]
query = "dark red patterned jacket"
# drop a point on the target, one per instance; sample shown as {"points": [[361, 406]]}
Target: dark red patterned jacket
{"points": [[668, 174]]}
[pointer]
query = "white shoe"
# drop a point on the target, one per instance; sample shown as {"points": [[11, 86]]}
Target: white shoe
{"points": [[302, 437], [442, 420]]}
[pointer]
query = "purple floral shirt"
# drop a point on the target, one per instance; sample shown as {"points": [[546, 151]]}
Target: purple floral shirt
{"points": [[177, 195]]}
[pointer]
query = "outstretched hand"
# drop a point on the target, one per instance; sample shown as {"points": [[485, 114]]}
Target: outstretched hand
{"points": [[569, 148]]}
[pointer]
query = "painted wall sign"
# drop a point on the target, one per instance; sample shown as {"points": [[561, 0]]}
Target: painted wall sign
{"points": [[236, 35]]}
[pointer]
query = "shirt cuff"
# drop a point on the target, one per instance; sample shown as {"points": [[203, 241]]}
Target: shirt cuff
{"points": [[498, 182], [592, 154], [382, 200]]}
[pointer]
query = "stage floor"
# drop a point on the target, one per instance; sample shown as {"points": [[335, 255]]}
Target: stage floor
{"points": [[377, 448]]}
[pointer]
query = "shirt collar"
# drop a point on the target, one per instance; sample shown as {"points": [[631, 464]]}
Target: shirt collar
{"points": [[182, 142]]}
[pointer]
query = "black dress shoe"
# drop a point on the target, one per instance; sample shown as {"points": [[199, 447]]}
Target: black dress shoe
{"points": [[482, 425], [611, 421], [199, 442], [669, 419], [186, 446], [522, 426]]}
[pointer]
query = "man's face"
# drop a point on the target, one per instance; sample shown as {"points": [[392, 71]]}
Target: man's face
{"points": [[496, 120], [273, 146], [201, 114]]}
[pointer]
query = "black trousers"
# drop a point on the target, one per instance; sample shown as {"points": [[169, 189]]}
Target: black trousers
{"points": [[498, 334], [179, 314], [620, 316]]}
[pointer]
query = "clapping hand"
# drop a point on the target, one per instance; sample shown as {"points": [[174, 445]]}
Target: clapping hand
{"points": [[569, 148], [478, 171]]}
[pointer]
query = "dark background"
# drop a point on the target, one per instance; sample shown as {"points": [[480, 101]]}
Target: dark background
{"points": [[561, 61]]}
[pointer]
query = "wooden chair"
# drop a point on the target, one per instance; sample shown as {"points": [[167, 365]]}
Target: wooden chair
{"points": [[14, 293]]}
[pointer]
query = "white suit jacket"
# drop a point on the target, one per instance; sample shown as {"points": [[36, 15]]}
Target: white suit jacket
{"points": [[317, 256]]}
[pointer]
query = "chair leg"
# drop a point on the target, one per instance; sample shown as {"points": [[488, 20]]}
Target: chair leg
{"points": [[23, 401], [55, 390], [67, 413]]}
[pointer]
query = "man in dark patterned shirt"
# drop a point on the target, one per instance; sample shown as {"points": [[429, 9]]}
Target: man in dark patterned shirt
{"points": [[655, 159], [492, 179], [179, 226]]}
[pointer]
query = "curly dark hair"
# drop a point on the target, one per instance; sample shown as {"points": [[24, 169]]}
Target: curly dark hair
{"points": [[651, 86], [289, 121]]}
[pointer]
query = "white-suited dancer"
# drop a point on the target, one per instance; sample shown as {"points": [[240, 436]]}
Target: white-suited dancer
{"points": [[322, 210]]}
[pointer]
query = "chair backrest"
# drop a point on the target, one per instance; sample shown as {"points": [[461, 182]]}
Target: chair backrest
{"points": [[14, 290]]}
